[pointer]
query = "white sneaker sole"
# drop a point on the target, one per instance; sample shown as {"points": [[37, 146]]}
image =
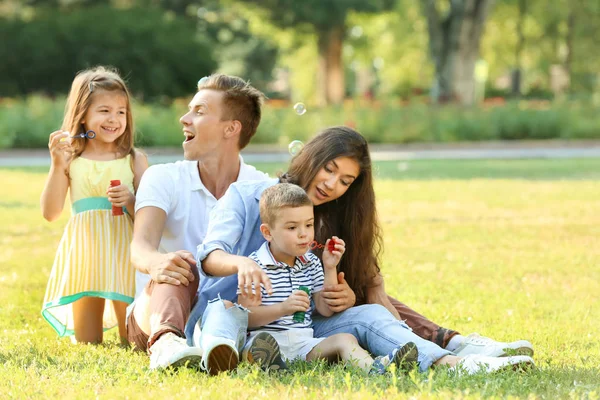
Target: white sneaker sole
{"points": [[191, 358], [221, 357]]}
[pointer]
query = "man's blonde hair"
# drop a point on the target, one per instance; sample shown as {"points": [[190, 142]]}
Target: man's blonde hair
{"points": [[241, 102], [281, 195]]}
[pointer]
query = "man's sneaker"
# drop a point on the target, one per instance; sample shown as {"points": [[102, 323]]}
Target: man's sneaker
{"points": [[172, 351], [476, 363], [264, 350], [404, 357], [476, 344], [220, 354]]}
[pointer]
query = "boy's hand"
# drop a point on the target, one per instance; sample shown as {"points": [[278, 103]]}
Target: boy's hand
{"points": [[332, 258], [298, 301], [120, 196]]}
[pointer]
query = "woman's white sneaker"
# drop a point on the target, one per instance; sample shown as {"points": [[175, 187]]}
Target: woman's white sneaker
{"points": [[477, 344], [475, 363], [171, 350]]}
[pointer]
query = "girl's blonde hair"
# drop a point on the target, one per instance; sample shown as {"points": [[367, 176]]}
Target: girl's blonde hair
{"points": [[85, 84]]}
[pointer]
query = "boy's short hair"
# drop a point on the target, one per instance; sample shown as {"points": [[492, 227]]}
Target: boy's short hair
{"points": [[241, 101], [281, 195]]}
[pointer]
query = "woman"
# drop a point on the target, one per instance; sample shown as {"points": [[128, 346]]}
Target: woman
{"points": [[335, 170]]}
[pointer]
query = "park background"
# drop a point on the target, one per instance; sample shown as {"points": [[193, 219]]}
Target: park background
{"points": [[498, 243]]}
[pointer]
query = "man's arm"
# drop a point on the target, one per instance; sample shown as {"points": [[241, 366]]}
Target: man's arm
{"points": [[173, 268]]}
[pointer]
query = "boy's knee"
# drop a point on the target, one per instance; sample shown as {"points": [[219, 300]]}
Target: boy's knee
{"points": [[345, 342], [227, 304]]}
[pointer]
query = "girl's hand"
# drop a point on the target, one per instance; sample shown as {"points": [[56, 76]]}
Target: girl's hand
{"points": [[332, 259], [120, 196], [60, 148], [298, 301]]}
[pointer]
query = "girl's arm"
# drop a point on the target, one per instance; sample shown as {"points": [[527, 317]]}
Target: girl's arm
{"points": [[140, 165], [53, 196], [260, 315], [121, 196]]}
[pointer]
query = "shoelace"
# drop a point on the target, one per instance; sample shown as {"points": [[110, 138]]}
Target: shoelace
{"points": [[480, 340]]}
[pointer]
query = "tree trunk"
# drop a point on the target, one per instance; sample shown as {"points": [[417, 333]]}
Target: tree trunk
{"points": [[331, 88], [517, 73], [569, 40], [454, 47]]}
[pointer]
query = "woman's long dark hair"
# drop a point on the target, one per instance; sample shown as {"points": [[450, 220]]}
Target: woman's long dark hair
{"points": [[353, 216]]}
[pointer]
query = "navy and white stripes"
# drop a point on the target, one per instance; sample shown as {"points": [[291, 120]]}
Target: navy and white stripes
{"points": [[306, 271]]}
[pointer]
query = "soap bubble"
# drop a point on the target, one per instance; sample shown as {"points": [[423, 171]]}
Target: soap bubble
{"points": [[300, 108], [295, 146]]}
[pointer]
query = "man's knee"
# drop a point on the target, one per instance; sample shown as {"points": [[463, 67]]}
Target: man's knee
{"points": [[227, 304]]}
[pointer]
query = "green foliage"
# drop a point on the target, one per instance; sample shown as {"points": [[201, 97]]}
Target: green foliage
{"points": [[321, 14], [158, 52], [27, 123]]}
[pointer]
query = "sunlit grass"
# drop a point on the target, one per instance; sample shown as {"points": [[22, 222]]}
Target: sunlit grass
{"points": [[510, 259]]}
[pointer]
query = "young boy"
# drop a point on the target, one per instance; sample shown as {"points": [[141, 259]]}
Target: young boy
{"points": [[288, 227]]}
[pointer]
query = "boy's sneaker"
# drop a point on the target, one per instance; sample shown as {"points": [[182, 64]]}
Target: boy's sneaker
{"points": [[264, 350], [171, 350], [476, 363], [404, 357], [220, 354], [477, 344]]}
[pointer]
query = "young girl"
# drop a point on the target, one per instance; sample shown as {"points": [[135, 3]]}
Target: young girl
{"points": [[92, 261]]}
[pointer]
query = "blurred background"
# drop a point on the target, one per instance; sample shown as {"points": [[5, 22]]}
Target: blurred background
{"points": [[399, 71]]}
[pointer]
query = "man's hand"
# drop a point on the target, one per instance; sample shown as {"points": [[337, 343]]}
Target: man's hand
{"points": [[173, 268], [339, 297], [250, 276], [298, 301]]}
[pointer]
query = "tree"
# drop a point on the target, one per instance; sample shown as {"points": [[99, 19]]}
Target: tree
{"points": [[327, 19], [454, 35]]}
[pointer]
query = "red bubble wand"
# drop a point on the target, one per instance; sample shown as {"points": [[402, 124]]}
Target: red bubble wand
{"points": [[316, 245]]}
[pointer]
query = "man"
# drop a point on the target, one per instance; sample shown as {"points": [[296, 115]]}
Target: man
{"points": [[172, 208]]}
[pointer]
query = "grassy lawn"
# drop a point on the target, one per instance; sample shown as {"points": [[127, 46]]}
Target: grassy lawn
{"points": [[508, 249]]}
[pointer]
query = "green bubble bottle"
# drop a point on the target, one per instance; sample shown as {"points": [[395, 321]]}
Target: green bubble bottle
{"points": [[299, 315]]}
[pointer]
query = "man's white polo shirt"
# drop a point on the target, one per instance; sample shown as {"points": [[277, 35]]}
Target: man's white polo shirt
{"points": [[176, 189]]}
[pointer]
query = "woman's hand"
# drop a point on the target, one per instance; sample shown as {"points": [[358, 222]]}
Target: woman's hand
{"points": [[60, 148], [120, 196], [332, 258], [339, 297]]}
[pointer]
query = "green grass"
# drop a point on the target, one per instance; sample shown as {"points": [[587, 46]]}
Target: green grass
{"points": [[508, 258]]}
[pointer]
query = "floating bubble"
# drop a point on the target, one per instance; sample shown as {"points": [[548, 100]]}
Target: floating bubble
{"points": [[295, 146], [300, 108]]}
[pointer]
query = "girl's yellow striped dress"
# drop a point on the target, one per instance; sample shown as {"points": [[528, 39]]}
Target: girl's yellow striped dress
{"points": [[93, 254]]}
